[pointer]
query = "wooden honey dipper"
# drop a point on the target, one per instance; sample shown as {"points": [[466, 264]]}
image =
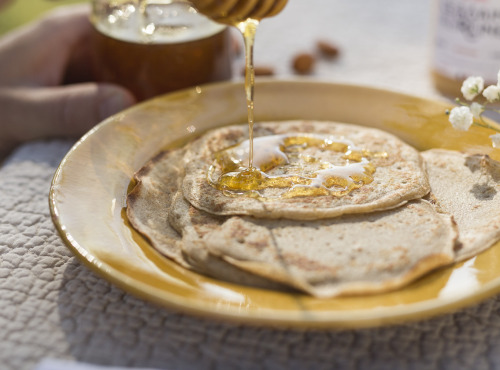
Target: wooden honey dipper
{"points": [[233, 12]]}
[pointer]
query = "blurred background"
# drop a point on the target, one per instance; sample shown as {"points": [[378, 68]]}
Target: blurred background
{"points": [[366, 41], [15, 12], [397, 43]]}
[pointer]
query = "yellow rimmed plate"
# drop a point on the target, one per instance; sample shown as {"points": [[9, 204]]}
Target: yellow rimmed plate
{"points": [[88, 193]]}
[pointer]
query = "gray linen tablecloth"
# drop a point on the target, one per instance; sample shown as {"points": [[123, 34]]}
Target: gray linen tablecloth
{"points": [[51, 306]]}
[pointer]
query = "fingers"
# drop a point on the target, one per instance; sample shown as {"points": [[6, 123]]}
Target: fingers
{"points": [[37, 54], [64, 26], [66, 111], [4, 3]]}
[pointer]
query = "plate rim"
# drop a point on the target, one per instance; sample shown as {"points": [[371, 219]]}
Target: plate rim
{"points": [[279, 319]]}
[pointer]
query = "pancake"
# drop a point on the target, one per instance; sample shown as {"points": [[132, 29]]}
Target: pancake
{"points": [[467, 187], [399, 175], [395, 240], [193, 224], [149, 201], [351, 254], [148, 205]]}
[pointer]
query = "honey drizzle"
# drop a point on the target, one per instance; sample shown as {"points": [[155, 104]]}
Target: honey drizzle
{"points": [[248, 29], [245, 15], [286, 153]]}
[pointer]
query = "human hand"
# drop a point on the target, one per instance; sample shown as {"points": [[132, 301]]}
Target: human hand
{"points": [[42, 69], [4, 2]]}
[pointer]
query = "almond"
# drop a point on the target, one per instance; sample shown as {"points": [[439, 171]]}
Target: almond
{"points": [[303, 63], [327, 49]]}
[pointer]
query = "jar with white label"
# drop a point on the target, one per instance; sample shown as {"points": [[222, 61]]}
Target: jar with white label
{"points": [[466, 43]]}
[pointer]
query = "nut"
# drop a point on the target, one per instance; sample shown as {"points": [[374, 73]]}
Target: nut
{"points": [[327, 49], [261, 71], [303, 63]]}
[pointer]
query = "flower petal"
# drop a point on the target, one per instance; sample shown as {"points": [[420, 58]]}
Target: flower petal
{"points": [[492, 93], [476, 109], [461, 118], [471, 87]]}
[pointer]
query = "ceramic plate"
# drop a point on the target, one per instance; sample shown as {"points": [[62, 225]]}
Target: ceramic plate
{"points": [[89, 190]]}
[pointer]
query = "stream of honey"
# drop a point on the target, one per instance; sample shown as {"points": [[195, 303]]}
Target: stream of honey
{"points": [[245, 15], [248, 30]]}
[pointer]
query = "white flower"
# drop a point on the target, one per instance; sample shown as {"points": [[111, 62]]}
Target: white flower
{"points": [[495, 140], [471, 87], [498, 78], [476, 109], [461, 118], [492, 93]]}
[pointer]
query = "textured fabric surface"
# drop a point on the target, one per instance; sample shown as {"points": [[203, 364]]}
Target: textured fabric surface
{"points": [[52, 306]]}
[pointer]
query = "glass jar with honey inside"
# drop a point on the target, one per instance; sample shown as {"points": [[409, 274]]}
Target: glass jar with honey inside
{"points": [[157, 46]]}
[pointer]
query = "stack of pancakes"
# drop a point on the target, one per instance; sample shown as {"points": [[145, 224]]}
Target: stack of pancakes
{"points": [[421, 211]]}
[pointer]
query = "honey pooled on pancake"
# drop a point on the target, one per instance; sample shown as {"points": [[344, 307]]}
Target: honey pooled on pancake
{"points": [[283, 161]]}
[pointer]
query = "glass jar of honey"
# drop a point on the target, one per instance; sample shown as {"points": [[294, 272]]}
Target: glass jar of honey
{"points": [[157, 46]]}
